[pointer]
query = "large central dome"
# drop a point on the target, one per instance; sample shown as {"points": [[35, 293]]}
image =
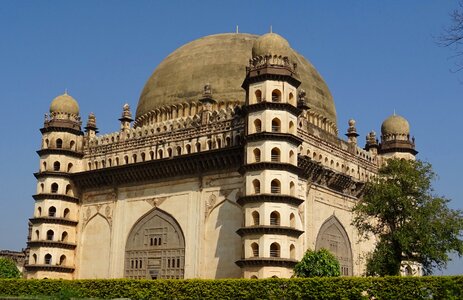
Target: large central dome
{"points": [[220, 60]]}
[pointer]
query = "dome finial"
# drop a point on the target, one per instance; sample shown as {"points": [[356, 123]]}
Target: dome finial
{"points": [[271, 31], [237, 29], [394, 112], [66, 91]]}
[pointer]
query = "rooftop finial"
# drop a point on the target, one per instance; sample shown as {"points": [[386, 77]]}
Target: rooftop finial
{"points": [[394, 111], [66, 91], [271, 30], [237, 31]]}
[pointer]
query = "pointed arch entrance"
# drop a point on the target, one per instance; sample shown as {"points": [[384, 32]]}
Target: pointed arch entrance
{"points": [[333, 237], [155, 248]]}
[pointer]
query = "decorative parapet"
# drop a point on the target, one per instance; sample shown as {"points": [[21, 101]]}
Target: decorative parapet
{"points": [[267, 262]]}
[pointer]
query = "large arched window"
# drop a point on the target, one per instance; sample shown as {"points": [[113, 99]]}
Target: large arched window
{"points": [[275, 186], [54, 188], [275, 218], [274, 250], [258, 96], [276, 95], [255, 249], [52, 211], [257, 126], [256, 186], [276, 125], [50, 235], [275, 155], [256, 155], [48, 259], [255, 218]]}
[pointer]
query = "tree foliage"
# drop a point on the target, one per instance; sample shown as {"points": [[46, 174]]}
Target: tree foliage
{"points": [[411, 223], [8, 269], [319, 263], [453, 35]]}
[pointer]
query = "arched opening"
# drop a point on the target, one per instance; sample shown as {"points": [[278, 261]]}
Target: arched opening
{"points": [[275, 218], [209, 144], [292, 159], [188, 149], [227, 141], [59, 143], [255, 218], [198, 147], [134, 158], [276, 95], [70, 167], [275, 155], [160, 153], [257, 126], [47, 143], [292, 220], [52, 211], [179, 150], [276, 125], [275, 186], [56, 166], [258, 96], [151, 155], [292, 189], [42, 187], [62, 260], [54, 188], [291, 127], [274, 250], [50, 235], [37, 235], [143, 156], [166, 235], [254, 277], [292, 252], [256, 186], [219, 143], [66, 213], [68, 190], [116, 161], [256, 155], [39, 211], [255, 249], [44, 166], [110, 162], [71, 145], [291, 98], [34, 258], [169, 152], [48, 259], [64, 236], [126, 159]]}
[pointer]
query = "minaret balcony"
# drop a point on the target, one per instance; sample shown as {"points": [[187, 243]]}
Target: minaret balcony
{"points": [[275, 198], [260, 166], [49, 196], [43, 174], [54, 268], [51, 244], [60, 151], [53, 220], [269, 229], [267, 262], [269, 105], [274, 136]]}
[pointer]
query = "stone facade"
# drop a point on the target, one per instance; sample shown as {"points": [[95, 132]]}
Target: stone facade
{"points": [[207, 187]]}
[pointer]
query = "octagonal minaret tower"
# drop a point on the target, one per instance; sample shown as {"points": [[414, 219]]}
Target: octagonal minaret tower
{"points": [[53, 233], [395, 139], [271, 232]]}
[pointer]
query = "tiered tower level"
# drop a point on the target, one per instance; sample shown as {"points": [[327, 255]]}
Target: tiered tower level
{"points": [[231, 167]]}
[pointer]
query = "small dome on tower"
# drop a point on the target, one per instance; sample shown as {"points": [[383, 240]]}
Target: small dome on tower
{"points": [[271, 43], [395, 124], [64, 104]]}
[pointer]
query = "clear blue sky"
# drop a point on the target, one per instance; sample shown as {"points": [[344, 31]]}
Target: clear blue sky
{"points": [[376, 56]]}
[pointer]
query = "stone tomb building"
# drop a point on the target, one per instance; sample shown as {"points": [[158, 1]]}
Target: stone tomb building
{"points": [[231, 167]]}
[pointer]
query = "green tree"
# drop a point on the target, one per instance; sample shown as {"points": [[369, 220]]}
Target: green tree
{"points": [[8, 269], [319, 263], [409, 221]]}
